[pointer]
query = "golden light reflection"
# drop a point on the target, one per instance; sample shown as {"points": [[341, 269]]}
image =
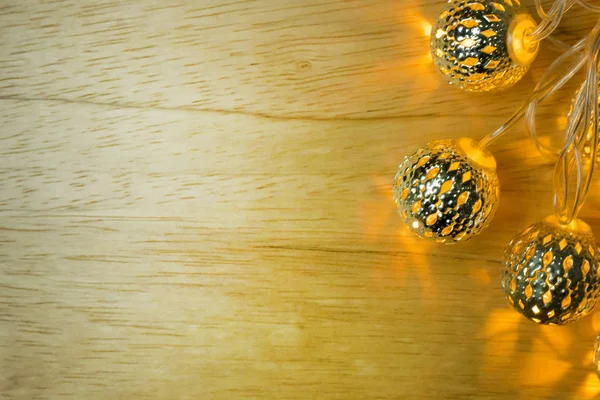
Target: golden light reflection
{"points": [[543, 367], [417, 250], [558, 339], [589, 357], [546, 358], [501, 339], [596, 321], [548, 137], [501, 321], [426, 27], [529, 155], [592, 208], [481, 276], [385, 187], [591, 387], [561, 122], [504, 352], [380, 219]]}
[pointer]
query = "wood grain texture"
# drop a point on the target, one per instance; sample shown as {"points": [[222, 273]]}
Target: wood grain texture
{"points": [[195, 203]]}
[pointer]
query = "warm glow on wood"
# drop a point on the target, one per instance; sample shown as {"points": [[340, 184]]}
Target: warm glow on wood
{"points": [[427, 27], [196, 202], [543, 367], [591, 387]]}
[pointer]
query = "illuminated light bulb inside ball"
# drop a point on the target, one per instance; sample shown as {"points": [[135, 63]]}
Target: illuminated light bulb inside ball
{"points": [[483, 45], [448, 190], [550, 271]]}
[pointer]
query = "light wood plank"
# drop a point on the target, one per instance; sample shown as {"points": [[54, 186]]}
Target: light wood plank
{"points": [[310, 59], [195, 202]]}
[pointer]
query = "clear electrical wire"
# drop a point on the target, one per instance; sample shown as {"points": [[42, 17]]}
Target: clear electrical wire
{"points": [[557, 74], [582, 130], [554, 78], [552, 18], [574, 170], [587, 6]]}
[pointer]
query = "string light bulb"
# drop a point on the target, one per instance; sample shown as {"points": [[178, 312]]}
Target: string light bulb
{"points": [[550, 271], [483, 45], [448, 190]]}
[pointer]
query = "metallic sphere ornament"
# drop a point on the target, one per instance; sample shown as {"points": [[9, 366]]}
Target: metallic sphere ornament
{"points": [[448, 190], [550, 271], [483, 45]]}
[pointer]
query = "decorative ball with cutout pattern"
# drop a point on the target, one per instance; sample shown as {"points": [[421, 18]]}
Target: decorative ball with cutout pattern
{"points": [[481, 45], [447, 191], [550, 272]]}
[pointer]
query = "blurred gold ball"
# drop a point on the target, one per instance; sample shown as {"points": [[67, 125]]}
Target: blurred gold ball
{"points": [[483, 45], [447, 191], [550, 272]]}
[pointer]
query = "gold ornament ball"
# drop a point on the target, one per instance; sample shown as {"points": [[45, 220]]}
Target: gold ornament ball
{"points": [[483, 45], [447, 191], [550, 271]]}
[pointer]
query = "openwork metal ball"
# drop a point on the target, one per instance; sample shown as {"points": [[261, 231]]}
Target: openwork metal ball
{"points": [[447, 191], [550, 272], [482, 45]]}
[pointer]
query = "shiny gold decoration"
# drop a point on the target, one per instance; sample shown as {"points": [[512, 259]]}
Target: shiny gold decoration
{"points": [[483, 45], [447, 191], [550, 272]]}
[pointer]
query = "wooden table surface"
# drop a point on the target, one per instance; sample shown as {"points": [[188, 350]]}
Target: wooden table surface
{"points": [[196, 203]]}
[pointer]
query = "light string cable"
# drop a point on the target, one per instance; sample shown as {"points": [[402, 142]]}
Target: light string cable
{"points": [[552, 18], [582, 132], [556, 76], [565, 66]]}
